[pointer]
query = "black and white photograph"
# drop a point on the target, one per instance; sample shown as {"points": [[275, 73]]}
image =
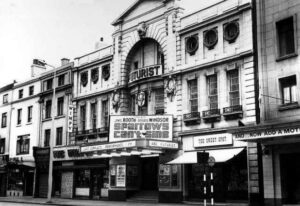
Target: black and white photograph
{"points": [[149, 102]]}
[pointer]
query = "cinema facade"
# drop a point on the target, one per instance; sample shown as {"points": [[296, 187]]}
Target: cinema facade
{"points": [[170, 87]]}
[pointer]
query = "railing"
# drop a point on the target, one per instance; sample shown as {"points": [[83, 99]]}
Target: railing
{"points": [[233, 109], [191, 116], [99, 54], [211, 112]]}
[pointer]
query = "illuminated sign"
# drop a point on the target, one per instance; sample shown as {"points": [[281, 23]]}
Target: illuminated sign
{"points": [[213, 140], [70, 118], [167, 145], [146, 72], [141, 127], [119, 145]]}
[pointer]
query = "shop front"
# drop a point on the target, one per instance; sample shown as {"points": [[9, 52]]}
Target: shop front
{"points": [[20, 177], [139, 148], [222, 177], [280, 159], [3, 174]]}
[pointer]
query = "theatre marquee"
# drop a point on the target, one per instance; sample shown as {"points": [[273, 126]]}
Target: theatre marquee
{"points": [[141, 127]]}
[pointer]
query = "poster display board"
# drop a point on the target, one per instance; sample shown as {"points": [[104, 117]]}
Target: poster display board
{"points": [[121, 176]]}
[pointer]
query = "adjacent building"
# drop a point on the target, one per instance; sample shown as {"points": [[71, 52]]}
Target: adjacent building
{"points": [[5, 112]]}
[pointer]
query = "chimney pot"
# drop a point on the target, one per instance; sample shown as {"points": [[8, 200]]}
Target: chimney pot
{"points": [[64, 61]]}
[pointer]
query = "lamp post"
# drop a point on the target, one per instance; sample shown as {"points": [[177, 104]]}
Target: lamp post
{"points": [[51, 142]]}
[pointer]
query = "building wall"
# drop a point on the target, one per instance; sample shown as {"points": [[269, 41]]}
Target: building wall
{"points": [[25, 128]]}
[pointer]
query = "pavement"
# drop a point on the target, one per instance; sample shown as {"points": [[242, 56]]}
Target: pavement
{"points": [[76, 202]]}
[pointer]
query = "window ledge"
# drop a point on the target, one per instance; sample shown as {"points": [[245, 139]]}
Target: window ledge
{"points": [[19, 125], [61, 116], [29, 123], [286, 57], [47, 119], [289, 106]]}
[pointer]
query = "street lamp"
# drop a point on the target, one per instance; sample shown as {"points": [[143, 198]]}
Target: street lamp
{"points": [[51, 142]]}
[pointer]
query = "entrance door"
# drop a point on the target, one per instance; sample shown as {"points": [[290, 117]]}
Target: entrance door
{"points": [[149, 173], [96, 184], [29, 183], [290, 179]]}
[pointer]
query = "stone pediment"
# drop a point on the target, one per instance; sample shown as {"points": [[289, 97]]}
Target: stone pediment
{"points": [[138, 8]]}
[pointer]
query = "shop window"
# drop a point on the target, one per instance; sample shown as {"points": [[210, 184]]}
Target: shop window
{"points": [[112, 173], [82, 178], [168, 175], [48, 109], [19, 120], [132, 104], [4, 120], [61, 80], [31, 90], [5, 99], [47, 138], [289, 90], [59, 135], [212, 91], [94, 115], [105, 115], [83, 117], [159, 101], [29, 114], [23, 145], [20, 93], [60, 106], [286, 37], [193, 93], [2, 146], [234, 87]]}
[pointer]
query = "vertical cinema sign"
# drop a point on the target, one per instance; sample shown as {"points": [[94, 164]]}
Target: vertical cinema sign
{"points": [[70, 118], [124, 128], [146, 72]]}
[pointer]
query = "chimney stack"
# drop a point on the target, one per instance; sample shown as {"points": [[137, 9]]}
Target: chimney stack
{"points": [[65, 61], [37, 67]]}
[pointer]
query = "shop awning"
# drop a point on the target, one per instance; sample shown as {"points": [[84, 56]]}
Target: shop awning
{"points": [[222, 155]]}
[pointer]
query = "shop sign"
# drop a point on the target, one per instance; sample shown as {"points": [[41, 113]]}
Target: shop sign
{"points": [[267, 133], [141, 127], [146, 72], [213, 140], [113, 146], [159, 144], [70, 118], [121, 175]]}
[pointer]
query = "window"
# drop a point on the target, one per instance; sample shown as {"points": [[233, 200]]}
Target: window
{"points": [[31, 90], [48, 84], [5, 98], [94, 115], [105, 113], [234, 90], [23, 144], [60, 106], [82, 178], [286, 38], [59, 135], [4, 120], [47, 138], [20, 93], [61, 80], [82, 117], [142, 102], [29, 117], [136, 65], [132, 104], [19, 120], [2, 146], [288, 90], [159, 101], [193, 93], [48, 109], [213, 91]]}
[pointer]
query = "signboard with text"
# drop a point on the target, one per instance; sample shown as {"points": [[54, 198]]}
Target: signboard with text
{"points": [[70, 118], [213, 140], [145, 72], [267, 133], [141, 127]]}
